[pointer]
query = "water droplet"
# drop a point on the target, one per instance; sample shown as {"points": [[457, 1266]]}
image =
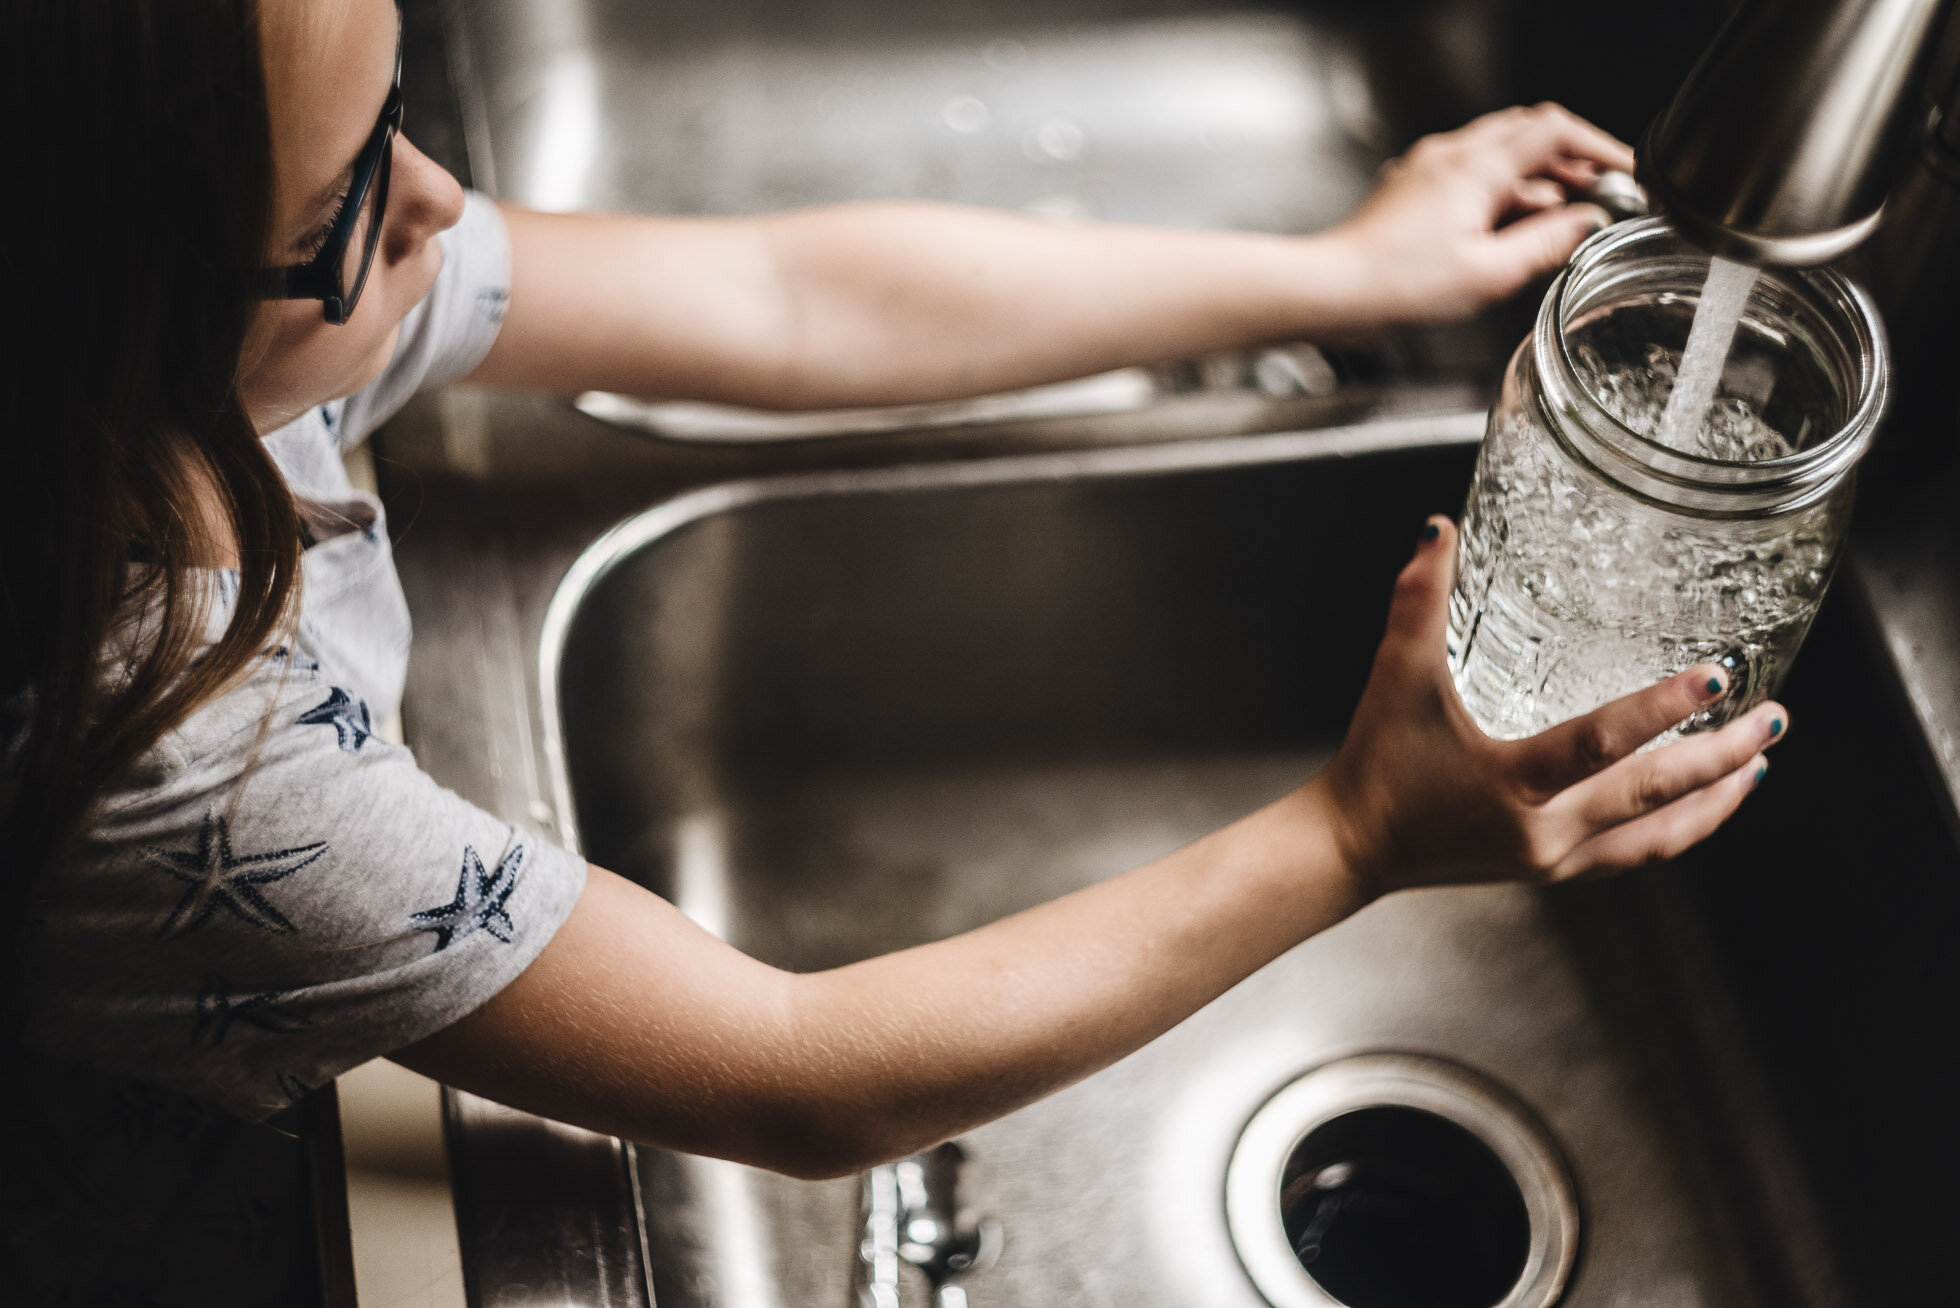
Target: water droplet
{"points": [[1058, 138], [966, 114]]}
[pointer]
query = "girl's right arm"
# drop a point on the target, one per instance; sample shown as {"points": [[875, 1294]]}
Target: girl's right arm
{"points": [[636, 1022], [899, 303]]}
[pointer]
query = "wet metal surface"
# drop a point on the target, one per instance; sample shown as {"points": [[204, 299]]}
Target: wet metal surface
{"points": [[1260, 119]]}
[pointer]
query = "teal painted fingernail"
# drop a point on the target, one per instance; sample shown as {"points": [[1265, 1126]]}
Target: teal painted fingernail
{"points": [[1430, 531], [1760, 774], [1775, 728], [1714, 685]]}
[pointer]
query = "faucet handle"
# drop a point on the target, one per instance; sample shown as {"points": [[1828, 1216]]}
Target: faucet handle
{"points": [[1619, 194]]}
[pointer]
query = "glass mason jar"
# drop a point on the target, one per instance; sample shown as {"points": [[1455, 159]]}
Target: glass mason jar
{"points": [[1595, 560]]}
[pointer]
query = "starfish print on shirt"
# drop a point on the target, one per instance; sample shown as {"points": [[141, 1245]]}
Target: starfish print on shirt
{"points": [[218, 1006], [479, 902], [299, 662], [494, 302], [218, 879], [346, 715]]}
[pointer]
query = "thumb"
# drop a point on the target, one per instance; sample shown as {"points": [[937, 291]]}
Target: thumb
{"points": [[1419, 609], [1542, 242]]}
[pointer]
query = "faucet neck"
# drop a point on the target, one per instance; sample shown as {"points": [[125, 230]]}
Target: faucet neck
{"points": [[1782, 144]]}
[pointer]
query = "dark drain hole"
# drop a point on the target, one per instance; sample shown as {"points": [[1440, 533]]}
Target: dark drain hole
{"points": [[1394, 1207]]}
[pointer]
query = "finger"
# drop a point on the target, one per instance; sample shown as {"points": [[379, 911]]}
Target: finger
{"points": [[1646, 782], [1495, 121], [1568, 753], [1549, 132], [1666, 832], [1576, 175], [1537, 244], [1419, 609], [1534, 193]]}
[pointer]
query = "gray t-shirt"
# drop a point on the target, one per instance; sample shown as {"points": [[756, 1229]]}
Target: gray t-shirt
{"points": [[274, 894]]}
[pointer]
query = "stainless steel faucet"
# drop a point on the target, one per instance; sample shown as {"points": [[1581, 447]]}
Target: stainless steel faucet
{"points": [[1784, 141], [1811, 127]]}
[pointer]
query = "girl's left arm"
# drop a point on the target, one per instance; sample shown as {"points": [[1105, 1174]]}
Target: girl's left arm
{"points": [[900, 303]]}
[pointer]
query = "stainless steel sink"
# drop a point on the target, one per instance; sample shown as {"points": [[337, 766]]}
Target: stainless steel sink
{"points": [[851, 708], [833, 714]]}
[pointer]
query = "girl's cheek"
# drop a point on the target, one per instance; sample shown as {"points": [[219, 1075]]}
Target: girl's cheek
{"points": [[295, 359]]}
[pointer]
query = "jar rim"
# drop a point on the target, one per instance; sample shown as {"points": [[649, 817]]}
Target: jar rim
{"points": [[1787, 480]]}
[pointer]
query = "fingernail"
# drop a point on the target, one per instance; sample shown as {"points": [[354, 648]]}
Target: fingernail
{"points": [[1713, 687], [1775, 728], [1430, 531], [1761, 772]]}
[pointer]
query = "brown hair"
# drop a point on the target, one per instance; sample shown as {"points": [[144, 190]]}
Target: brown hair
{"points": [[136, 217]]}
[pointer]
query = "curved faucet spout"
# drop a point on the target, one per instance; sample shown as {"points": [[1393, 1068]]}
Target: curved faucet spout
{"points": [[1783, 142]]}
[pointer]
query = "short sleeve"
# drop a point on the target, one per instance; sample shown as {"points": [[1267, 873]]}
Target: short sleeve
{"points": [[451, 329], [277, 897]]}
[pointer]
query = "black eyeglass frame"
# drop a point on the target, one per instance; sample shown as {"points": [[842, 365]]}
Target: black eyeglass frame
{"points": [[319, 278]]}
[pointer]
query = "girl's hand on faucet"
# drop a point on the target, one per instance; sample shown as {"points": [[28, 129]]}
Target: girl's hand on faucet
{"points": [[1419, 796], [1468, 217]]}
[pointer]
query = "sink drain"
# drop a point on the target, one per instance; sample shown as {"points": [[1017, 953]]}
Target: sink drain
{"points": [[1400, 1181]]}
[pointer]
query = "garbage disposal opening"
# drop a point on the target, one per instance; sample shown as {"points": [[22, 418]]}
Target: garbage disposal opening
{"points": [[1394, 1207], [1401, 1180]]}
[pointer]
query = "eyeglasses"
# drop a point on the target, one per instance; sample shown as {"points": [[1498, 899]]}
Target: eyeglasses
{"points": [[338, 272]]}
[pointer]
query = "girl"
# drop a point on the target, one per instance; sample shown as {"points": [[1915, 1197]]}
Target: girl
{"points": [[224, 264]]}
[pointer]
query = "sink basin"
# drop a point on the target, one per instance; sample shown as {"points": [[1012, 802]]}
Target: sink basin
{"points": [[835, 714], [1187, 113], [1216, 113]]}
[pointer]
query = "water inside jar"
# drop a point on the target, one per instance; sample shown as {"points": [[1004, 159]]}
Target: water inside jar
{"points": [[1699, 376], [1573, 591]]}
